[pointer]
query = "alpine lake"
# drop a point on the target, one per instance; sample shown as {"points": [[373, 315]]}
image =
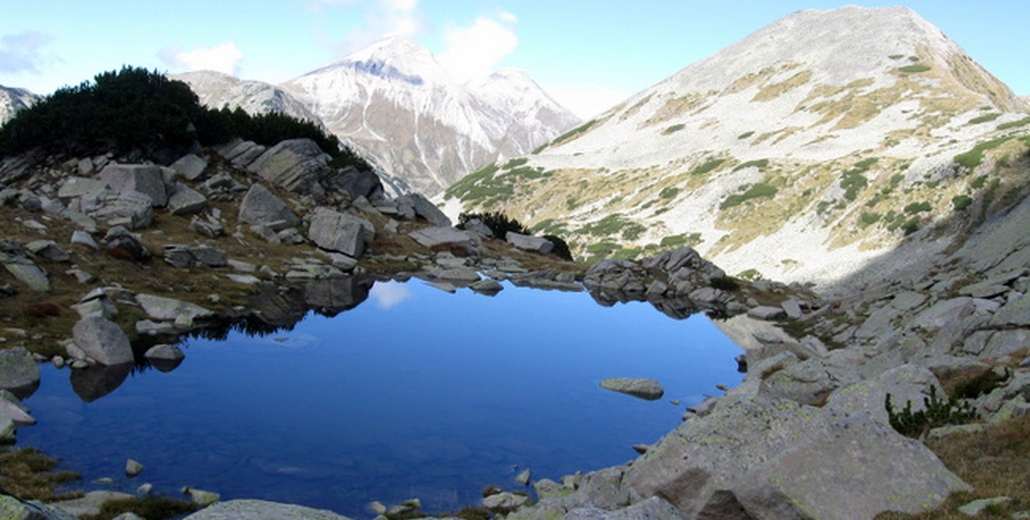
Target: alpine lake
{"points": [[385, 391]]}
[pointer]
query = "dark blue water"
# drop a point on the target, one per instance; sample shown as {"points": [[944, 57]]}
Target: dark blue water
{"points": [[415, 393]]}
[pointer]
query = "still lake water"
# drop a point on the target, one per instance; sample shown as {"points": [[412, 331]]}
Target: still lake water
{"points": [[414, 393]]}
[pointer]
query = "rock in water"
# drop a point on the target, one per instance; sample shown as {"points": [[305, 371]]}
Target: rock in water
{"points": [[643, 388], [18, 372], [103, 341], [133, 468]]}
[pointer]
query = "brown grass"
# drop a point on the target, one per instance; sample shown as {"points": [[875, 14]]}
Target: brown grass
{"points": [[996, 463], [27, 474]]}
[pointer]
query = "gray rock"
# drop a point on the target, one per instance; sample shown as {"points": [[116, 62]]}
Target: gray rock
{"points": [[131, 209], [1015, 313], [48, 250], [178, 256], [441, 236], [338, 232], [261, 207], [767, 313], [976, 507], [142, 178], [120, 241], [653, 508], [755, 457], [458, 275], [904, 384], [103, 341], [356, 183], [83, 238], [170, 309], [19, 373], [209, 256], [164, 353], [26, 272], [239, 152], [504, 500], [809, 382], [488, 287], [14, 509], [185, 200], [11, 407], [79, 187], [190, 166], [261, 510], [643, 388], [202, 498], [422, 207], [298, 165], [529, 243], [524, 477], [133, 468], [792, 308]]}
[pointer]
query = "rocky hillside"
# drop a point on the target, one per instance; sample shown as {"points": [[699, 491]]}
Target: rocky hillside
{"points": [[803, 152], [14, 99], [394, 103]]}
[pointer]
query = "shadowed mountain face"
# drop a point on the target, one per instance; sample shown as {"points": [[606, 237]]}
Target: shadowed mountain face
{"points": [[394, 103], [805, 151], [14, 99]]}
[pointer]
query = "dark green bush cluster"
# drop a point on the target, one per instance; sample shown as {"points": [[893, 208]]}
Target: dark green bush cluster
{"points": [[755, 191], [937, 412], [136, 109]]}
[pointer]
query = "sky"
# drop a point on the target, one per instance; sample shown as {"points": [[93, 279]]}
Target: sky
{"points": [[589, 55]]}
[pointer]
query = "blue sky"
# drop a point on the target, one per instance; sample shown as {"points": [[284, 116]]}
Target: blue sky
{"points": [[587, 54]]}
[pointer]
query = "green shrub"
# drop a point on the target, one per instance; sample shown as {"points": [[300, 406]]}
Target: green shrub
{"points": [[745, 135], [918, 207], [757, 190], [750, 275], [686, 239], [869, 218], [759, 163], [1014, 124], [914, 69], [974, 157], [724, 283], [986, 118], [669, 192], [978, 182], [515, 163], [938, 412], [910, 226], [961, 202], [561, 247], [707, 166]]}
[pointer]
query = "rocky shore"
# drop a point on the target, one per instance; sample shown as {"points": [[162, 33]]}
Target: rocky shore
{"points": [[106, 263]]}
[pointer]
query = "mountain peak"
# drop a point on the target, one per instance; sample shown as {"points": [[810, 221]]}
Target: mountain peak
{"points": [[395, 58]]}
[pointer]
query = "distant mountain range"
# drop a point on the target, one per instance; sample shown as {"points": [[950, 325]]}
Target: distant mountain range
{"points": [[14, 99], [803, 152], [398, 107]]}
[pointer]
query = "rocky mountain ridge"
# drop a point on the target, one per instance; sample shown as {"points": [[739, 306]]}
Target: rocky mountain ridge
{"points": [[802, 153], [395, 103]]}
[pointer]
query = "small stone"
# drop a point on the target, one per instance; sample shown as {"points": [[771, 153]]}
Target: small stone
{"points": [[975, 507], [133, 468], [524, 477], [504, 500], [200, 497], [145, 489], [377, 507], [643, 388], [641, 448]]}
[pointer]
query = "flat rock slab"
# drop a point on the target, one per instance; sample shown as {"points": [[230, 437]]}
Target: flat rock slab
{"points": [[170, 309], [262, 510], [643, 388], [18, 371], [441, 236]]}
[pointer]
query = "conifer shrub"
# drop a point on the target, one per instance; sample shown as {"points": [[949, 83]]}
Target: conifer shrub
{"points": [[499, 223], [937, 412]]}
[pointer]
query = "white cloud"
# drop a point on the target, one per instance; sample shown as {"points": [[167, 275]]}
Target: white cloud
{"points": [[475, 51], [224, 57], [22, 52], [390, 294], [587, 100], [382, 18]]}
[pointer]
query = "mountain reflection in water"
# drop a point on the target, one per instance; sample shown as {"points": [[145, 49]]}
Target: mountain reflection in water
{"points": [[320, 399]]}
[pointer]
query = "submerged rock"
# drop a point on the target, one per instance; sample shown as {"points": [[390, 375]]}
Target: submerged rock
{"points": [[643, 388]]}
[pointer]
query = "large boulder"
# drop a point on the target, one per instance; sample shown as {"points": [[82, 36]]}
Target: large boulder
{"points": [[357, 183], [422, 207], [190, 166], [102, 341], [338, 232], [758, 457], [298, 165], [143, 178], [261, 207], [131, 209], [15, 509], [18, 371], [185, 200], [170, 309], [529, 243], [261, 510], [440, 236]]}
